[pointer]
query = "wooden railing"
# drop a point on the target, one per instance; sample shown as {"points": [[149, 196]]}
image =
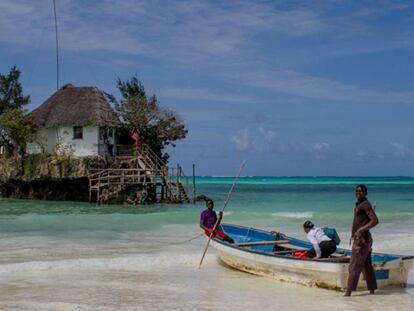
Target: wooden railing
{"points": [[152, 160], [155, 161], [177, 178], [116, 178], [146, 168]]}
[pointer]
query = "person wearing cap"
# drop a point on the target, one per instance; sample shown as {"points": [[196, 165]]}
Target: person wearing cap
{"points": [[364, 219], [323, 246]]}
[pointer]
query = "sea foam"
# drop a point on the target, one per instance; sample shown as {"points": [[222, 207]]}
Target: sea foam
{"points": [[128, 263], [294, 214]]}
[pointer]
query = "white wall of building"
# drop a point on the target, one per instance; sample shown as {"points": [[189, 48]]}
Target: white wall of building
{"points": [[60, 140]]}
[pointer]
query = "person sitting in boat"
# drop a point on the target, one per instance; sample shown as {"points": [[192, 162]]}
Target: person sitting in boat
{"points": [[323, 246], [208, 219]]}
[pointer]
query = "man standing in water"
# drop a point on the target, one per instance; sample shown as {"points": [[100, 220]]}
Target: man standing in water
{"points": [[364, 219], [208, 219]]}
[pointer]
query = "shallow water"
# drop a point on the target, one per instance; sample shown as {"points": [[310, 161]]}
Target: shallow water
{"points": [[76, 256]]}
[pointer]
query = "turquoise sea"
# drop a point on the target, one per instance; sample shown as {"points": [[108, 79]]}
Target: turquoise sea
{"points": [[78, 256]]}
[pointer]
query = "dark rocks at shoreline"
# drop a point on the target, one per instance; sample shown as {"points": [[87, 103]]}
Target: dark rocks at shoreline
{"points": [[47, 177], [54, 190]]}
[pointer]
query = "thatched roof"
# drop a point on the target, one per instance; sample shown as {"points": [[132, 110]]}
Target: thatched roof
{"points": [[75, 106]]}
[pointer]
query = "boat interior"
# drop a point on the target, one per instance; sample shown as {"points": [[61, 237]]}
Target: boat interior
{"points": [[280, 245]]}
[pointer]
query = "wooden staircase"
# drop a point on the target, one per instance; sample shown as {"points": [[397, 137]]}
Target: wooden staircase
{"points": [[142, 173], [178, 192]]}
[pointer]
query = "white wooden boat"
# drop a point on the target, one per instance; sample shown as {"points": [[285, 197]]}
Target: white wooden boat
{"points": [[254, 252]]}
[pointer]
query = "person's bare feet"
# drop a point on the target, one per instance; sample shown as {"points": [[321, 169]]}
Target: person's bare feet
{"points": [[347, 294], [372, 291]]}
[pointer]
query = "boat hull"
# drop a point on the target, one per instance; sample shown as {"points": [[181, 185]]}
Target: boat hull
{"points": [[330, 275]]}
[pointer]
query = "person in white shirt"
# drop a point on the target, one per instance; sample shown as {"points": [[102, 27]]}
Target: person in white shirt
{"points": [[110, 145], [323, 246]]}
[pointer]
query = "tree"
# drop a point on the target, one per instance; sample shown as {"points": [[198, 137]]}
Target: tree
{"points": [[11, 91], [160, 126], [14, 121], [17, 129]]}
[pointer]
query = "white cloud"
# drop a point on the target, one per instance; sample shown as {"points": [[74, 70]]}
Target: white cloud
{"points": [[242, 139], [154, 28], [258, 140], [267, 135], [218, 40], [402, 150], [321, 150], [321, 147], [295, 83], [198, 94]]}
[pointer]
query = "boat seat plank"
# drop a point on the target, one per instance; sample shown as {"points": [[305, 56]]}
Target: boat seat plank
{"points": [[295, 247], [336, 259], [284, 252], [261, 243]]}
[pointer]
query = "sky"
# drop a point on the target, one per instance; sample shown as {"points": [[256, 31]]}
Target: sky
{"points": [[294, 88]]}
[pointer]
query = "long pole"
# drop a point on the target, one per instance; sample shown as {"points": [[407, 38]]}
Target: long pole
{"points": [[222, 210], [194, 184], [57, 46]]}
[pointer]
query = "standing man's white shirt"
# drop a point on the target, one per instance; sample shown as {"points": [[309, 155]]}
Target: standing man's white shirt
{"points": [[316, 236]]}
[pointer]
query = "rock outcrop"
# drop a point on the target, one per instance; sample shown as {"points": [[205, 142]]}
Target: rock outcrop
{"points": [[47, 177]]}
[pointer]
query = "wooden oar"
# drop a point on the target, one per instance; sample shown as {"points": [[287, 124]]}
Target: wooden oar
{"points": [[222, 210], [261, 243]]}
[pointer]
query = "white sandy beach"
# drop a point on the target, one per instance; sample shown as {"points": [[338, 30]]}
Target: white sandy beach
{"points": [[134, 273]]}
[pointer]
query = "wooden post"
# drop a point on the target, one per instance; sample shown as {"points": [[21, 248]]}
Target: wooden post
{"points": [[90, 190], [194, 184], [178, 173], [114, 151], [99, 141], [177, 183], [98, 199]]}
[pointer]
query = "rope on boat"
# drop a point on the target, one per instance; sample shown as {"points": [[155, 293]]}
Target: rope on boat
{"points": [[247, 234], [189, 240]]}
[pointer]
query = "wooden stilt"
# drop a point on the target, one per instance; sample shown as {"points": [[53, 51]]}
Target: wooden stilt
{"points": [[98, 196], [194, 185]]}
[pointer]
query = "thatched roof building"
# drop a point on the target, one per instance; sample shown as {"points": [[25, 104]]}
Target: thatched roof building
{"points": [[75, 106], [76, 121]]}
